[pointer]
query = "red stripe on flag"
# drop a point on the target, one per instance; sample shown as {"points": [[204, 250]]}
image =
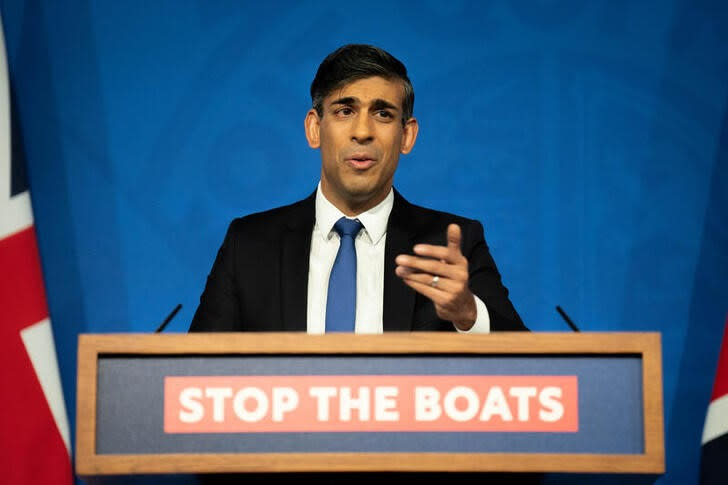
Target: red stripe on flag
{"points": [[720, 388], [33, 451], [22, 294]]}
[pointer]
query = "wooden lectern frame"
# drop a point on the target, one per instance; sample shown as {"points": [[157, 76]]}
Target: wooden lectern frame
{"points": [[645, 345]]}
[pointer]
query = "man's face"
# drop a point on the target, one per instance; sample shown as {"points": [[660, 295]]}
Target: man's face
{"points": [[360, 136]]}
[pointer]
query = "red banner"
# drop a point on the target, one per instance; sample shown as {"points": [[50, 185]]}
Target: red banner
{"points": [[430, 403]]}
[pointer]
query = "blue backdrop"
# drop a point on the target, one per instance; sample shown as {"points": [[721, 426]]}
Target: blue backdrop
{"points": [[590, 138]]}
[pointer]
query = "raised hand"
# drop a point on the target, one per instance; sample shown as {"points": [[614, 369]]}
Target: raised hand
{"points": [[441, 274]]}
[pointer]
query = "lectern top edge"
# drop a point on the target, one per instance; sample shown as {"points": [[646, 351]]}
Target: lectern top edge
{"points": [[394, 342]]}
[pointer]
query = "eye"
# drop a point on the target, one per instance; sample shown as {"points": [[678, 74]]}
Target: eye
{"points": [[344, 111], [384, 114]]}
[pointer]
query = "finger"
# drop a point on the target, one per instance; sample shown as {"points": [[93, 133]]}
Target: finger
{"points": [[454, 236], [432, 266], [442, 300], [432, 251], [437, 295], [450, 253], [404, 271], [444, 284]]}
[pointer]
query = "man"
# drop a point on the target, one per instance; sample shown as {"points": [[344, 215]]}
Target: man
{"points": [[398, 268], [280, 270]]}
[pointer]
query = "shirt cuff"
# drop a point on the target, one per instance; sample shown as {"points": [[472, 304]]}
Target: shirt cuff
{"points": [[482, 320]]}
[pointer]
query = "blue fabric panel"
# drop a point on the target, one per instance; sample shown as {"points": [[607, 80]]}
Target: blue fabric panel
{"points": [[590, 138]]}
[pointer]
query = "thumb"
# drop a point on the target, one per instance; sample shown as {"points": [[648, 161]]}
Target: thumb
{"points": [[453, 239]]}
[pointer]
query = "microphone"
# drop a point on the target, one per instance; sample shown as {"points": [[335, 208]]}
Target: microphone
{"points": [[169, 317], [566, 317]]}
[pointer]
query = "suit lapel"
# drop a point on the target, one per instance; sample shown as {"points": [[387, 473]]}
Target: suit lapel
{"points": [[399, 299], [295, 252]]}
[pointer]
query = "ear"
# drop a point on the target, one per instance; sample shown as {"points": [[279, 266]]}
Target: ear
{"points": [[409, 136], [312, 126]]}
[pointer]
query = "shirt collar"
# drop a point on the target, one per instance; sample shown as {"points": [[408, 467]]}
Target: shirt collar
{"points": [[374, 220]]}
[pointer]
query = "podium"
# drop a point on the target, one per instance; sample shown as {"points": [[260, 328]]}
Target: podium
{"points": [[397, 402]]}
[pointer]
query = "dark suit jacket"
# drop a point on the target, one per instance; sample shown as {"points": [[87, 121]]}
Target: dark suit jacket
{"points": [[259, 281]]}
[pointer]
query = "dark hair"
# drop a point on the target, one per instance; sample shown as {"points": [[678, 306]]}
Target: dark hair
{"points": [[359, 61]]}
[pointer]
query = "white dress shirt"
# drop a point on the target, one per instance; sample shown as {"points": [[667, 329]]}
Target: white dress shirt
{"points": [[369, 245]]}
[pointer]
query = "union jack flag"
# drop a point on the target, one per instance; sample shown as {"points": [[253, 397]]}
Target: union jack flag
{"points": [[713, 467], [34, 435]]}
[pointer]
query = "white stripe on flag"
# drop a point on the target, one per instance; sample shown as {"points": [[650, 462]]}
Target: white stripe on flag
{"points": [[716, 421], [38, 340], [16, 213], [5, 138]]}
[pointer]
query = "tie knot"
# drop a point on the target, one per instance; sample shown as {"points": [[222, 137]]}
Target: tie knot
{"points": [[347, 227]]}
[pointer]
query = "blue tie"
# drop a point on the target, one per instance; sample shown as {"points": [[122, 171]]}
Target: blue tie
{"points": [[341, 298]]}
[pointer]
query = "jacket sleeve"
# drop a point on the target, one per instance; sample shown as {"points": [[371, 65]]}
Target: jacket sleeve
{"points": [[219, 308], [485, 280]]}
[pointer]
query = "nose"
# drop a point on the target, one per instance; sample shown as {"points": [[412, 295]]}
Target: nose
{"points": [[362, 131]]}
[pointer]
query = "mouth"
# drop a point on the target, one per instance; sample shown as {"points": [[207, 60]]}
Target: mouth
{"points": [[360, 161]]}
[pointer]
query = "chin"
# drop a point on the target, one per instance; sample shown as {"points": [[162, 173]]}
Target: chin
{"points": [[361, 191], [357, 185]]}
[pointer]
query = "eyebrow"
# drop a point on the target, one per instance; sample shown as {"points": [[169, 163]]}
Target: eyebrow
{"points": [[376, 104]]}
